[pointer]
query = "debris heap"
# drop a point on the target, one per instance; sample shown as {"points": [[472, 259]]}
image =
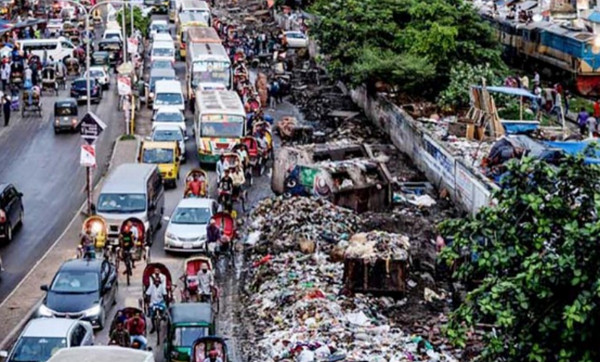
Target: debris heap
{"points": [[378, 245]]}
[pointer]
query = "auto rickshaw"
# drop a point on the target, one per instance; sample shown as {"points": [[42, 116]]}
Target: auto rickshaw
{"points": [[206, 346], [101, 58], [49, 80], [65, 115], [73, 67], [187, 323], [203, 178]]}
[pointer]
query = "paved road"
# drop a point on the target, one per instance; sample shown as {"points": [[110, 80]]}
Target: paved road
{"points": [[45, 168]]}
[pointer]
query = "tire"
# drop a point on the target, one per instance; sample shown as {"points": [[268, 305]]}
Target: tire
{"points": [[9, 233], [102, 319], [21, 217], [56, 131]]}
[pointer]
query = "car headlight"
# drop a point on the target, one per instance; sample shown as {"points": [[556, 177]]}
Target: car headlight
{"points": [[44, 311], [169, 237], [93, 311]]}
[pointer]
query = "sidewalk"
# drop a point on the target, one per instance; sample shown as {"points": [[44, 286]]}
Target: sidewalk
{"points": [[17, 309]]}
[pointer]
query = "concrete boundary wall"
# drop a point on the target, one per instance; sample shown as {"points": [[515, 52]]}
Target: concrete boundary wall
{"points": [[469, 189]]}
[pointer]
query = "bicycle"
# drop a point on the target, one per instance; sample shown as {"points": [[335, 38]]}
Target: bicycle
{"points": [[157, 317], [128, 265]]}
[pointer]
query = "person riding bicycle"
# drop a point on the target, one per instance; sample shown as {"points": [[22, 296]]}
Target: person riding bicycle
{"points": [[206, 281], [127, 242], [120, 335], [156, 296], [225, 187], [238, 179], [87, 244], [213, 356]]}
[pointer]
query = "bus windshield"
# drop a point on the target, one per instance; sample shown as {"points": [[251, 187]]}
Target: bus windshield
{"points": [[211, 72], [227, 127]]}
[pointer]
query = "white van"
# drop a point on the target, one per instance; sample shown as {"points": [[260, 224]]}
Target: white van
{"points": [[163, 50], [168, 93], [113, 33], [58, 48]]}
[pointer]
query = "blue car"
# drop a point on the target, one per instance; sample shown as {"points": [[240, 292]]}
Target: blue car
{"points": [[79, 90]]}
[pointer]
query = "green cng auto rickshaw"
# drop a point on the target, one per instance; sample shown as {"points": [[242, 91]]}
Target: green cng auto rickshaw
{"points": [[66, 116], [187, 322]]}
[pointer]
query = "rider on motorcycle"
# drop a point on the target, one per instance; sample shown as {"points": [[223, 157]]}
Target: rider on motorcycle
{"points": [[156, 297]]}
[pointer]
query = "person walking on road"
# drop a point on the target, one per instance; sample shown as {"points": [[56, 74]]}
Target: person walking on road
{"points": [[5, 75], [6, 101]]}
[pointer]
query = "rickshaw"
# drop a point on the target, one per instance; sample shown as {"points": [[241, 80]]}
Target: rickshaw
{"points": [[16, 74], [74, 36], [187, 323], [101, 58], [66, 115], [226, 200], [97, 17], [255, 154], [203, 176], [205, 345], [99, 231], [34, 61], [72, 65], [130, 311], [262, 129], [226, 246], [146, 280], [140, 250], [49, 80], [31, 102], [189, 292]]}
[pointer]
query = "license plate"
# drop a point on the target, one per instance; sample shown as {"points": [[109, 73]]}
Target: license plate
{"points": [[187, 246], [83, 98]]}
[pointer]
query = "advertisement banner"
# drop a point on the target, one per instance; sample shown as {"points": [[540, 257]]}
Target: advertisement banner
{"points": [[88, 156], [124, 85]]}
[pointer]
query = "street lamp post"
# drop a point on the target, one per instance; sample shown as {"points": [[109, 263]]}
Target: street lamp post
{"points": [[87, 77]]}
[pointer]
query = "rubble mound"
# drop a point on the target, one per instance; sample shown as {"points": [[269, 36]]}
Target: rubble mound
{"points": [[281, 224], [378, 245]]}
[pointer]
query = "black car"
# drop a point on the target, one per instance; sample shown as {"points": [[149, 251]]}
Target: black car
{"points": [[79, 90], [11, 210], [114, 47], [81, 289]]}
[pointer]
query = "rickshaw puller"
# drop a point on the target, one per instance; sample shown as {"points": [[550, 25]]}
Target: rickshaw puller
{"points": [[213, 356], [205, 283], [156, 296], [127, 243], [213, 234]]}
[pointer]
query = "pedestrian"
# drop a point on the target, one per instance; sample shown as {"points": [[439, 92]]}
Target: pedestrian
{"points": [[536, 78], [220, 167], [557, 107], [567, 97], [6, 109], [525, 81], [582, 119], [5, 75]]}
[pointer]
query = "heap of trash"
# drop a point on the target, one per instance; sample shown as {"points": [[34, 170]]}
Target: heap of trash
{"points": [[378, 245], [280, 224], [298, 306]]}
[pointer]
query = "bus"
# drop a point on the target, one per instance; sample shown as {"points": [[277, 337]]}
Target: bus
{"points": [[197, 35], [219, 123], [187, 21], [195, 6], [207, 67]]}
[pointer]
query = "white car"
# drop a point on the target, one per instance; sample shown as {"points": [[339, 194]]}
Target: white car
{"points": [[296, 39], [42, 337], [101, 76], [158, 26], [163, 50], [158, 37], [113, 34], [169, 133], [186, 231], [169, 116]]}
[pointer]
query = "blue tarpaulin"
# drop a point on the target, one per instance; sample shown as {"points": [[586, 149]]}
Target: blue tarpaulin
{"points": [[577, 147], [512, 127], [519, 92]]}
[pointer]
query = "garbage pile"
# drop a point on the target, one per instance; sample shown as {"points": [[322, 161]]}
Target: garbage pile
{"points": [[378, 245], [298, 310], [280, 224]]}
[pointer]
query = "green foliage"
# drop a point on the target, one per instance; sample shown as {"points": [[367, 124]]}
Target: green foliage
{"points": [[538, 262], [140, 22], [462, 76], [418, 40]]}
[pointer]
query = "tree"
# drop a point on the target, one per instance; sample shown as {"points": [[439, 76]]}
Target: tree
{"points": [[430, 37], [537, 255], [140, 21]]}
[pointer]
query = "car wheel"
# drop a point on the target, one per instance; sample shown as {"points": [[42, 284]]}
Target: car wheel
{"points": [[21, 217], [102, 319], [9, 231]]}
